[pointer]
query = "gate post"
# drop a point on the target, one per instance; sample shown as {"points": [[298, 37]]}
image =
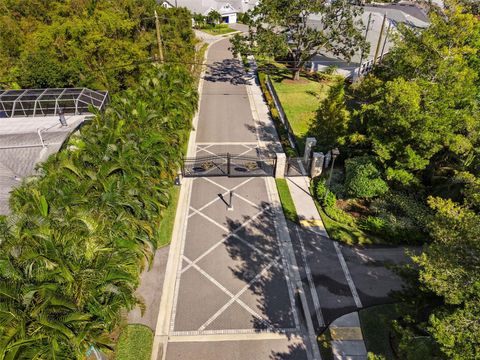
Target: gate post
{"points": [[309, 144], [317, 164], [280, 165], [228, 164]]}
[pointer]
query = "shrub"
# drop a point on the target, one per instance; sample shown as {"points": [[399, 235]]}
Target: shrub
{"points": [[340, 216], [330, 200], [363, 179], [373, 224]]}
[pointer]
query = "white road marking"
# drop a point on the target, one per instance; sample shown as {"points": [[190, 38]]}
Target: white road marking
{"points": [[227, 292], [224, 194], [234, 194], [234, 299], [234, 334], [233, 233], [228, 143], [346, 272], [313, 291]]}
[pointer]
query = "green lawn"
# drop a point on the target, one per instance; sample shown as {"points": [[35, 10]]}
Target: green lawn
{"points": [[300, 99], [218, 29], [375, 322], [135, 343], [286, 200]]}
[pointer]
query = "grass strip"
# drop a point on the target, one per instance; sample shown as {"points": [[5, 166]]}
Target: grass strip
{"points": [[135, 343], [168, 220], [218, 30], [286, 200]]}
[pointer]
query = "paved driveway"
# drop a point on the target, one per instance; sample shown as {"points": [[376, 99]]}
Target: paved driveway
{"points": [[234, 296]]}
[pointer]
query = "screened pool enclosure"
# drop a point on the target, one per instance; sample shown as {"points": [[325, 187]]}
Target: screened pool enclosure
{"points": [[49, 102]]}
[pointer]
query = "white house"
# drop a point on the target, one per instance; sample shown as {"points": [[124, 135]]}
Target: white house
{"points": [[227, 8], [380, 41]]}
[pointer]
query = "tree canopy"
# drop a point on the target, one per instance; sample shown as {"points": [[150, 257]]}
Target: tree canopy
{"points": [[82, 229], [283, 29], [423, 117]]}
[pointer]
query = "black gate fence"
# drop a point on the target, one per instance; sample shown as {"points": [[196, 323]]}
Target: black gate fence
{"points": [[228, 165], [296, 166]]}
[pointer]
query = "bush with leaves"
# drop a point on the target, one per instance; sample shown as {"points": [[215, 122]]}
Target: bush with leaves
{"points": [[363, 179]]}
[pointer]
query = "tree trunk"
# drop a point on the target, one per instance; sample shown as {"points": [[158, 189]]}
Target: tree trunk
{"points": [[296, 74]]}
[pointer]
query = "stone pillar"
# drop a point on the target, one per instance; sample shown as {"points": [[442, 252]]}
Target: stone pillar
{"points": [[316, 168], [328, 158], [309, 144], [280, 166]]}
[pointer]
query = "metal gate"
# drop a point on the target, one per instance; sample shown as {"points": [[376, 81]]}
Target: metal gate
{"points": [[296, 166], [228, 165]]}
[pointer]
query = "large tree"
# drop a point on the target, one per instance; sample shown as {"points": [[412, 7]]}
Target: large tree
{"points": [[450, 268], [425, 116], [284, 28]]}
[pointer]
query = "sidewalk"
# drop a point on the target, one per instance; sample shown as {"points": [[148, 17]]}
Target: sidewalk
{"points": [[347, 340]]}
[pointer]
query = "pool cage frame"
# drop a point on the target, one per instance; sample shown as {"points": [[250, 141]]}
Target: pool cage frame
{"points": [[49, 102]]}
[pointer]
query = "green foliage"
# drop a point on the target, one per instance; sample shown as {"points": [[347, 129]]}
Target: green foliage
{"points": [[415, 346], [363, 179], [450, 269], [328, 200], [376, 323], [135, 343], [400, 218], [422, 113], [95, 44], [326, 197], [331, 122], [373, 224], [272, 17], [86, 228], [213, 17]]}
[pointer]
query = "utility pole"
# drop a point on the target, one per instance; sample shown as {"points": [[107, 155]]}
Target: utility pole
{"points": [[385, 41], [159, 37], [379, 43], [361, 55]]}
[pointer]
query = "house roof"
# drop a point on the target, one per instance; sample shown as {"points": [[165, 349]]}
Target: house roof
{"points": [[222, 6], [30, 129], [21, 148], [396, 14]]}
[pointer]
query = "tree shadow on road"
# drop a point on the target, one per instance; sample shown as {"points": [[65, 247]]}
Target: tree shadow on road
{"points": [[229, 71], [260, 264]]}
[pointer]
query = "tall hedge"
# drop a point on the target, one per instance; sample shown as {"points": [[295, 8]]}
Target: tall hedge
{"points": [[79, 236]]}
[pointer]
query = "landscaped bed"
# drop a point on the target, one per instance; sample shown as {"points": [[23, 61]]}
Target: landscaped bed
{"points": [[357, 207], [220, 29]]}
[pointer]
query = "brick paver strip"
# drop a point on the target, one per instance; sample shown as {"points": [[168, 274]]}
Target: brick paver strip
{"points": [[346, 333]]}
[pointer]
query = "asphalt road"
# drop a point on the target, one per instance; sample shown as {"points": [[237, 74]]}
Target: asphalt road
{"points": [[234, 297]]}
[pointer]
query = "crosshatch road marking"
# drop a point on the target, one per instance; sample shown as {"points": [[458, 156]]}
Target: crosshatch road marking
{"points": [[224, 194], [235, 298], [233, 233], [226, 291]]}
